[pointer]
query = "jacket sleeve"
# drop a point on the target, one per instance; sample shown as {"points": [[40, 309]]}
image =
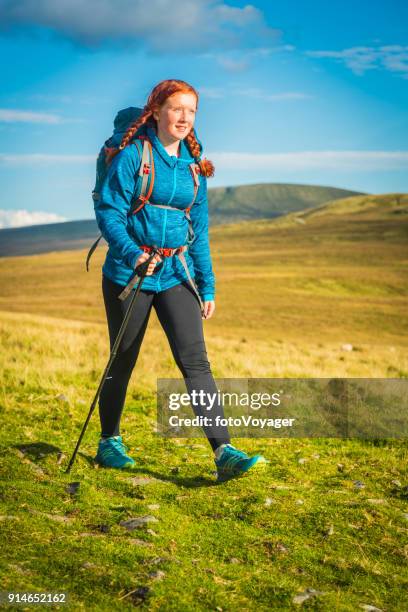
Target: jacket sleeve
{"points": [[114, 203], [199, 250]]}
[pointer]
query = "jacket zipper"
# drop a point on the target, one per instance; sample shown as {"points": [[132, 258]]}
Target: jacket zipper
{"points": [[165, 223], [174, 184]]}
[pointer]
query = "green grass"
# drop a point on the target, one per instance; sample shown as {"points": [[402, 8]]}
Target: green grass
{"points": [[283, 309], [218, 545]]}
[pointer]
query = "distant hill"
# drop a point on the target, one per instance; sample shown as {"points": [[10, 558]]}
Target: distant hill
{"points": [[360, 218], [369, 208], [267, 200], [226, 205], [35, 239]]}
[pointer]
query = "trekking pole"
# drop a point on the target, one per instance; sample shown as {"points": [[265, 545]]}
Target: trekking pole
{"points": [[144, 266]]}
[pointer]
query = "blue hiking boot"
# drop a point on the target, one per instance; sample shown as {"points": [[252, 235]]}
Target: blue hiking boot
{"points": [[233, 462], [112, 453]]}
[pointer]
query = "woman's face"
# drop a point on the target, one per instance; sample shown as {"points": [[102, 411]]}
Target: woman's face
{"points": [[176, 116]]}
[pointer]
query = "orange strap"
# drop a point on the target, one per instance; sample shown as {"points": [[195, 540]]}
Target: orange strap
{"points": [[164, 251], [146, 169], [149, 193]]}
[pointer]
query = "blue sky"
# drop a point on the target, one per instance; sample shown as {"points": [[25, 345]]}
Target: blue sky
{"points": [[305, 92]]}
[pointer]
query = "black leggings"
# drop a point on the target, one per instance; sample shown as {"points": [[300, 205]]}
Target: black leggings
{"points": [[179, 313]]}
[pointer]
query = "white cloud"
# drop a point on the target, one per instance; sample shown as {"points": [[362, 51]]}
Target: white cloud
{"points": [[164, 25], [233, 65], [68, 99], [211, 92], [251, 92], [238, 61], [304, 160], [288, 95], [12, 115], [21, 218], [44, 159], [266, 51], [53, 98], [393, 58], [298, 160], [341, 160], [254, 92]]}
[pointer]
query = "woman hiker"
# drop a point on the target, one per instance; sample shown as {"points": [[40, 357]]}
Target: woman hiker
{"points": [[180, 302]]}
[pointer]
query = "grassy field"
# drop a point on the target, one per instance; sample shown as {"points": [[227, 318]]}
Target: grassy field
{"points": [[323, 528]]}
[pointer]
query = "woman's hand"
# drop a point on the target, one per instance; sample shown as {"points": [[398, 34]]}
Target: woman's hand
{"points": [[209, 308], [156, 259]]}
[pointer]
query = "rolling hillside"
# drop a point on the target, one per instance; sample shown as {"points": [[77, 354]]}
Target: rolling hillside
{"points": [[227, 204], [246, 202], [364, 207], [382, 217], [341, 270]]}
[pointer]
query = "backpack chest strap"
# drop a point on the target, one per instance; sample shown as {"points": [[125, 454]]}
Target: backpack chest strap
{"points": [[147, 168]]}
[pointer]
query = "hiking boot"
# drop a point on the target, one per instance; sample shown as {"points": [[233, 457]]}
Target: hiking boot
{"points": [[233, 462], [112, 453]]}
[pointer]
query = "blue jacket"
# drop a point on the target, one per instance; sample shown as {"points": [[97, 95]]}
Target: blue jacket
{"points": [[173, 186]]}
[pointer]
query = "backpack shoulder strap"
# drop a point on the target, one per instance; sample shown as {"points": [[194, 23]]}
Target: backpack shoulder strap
{"points": [[194, 172], [146, 175]]}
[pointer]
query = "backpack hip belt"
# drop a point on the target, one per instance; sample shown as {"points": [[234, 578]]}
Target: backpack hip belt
{"points": [[163, 251]]}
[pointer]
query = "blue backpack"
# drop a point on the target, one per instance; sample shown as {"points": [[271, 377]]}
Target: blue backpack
{"points": [[122, 121], [145, 182]]}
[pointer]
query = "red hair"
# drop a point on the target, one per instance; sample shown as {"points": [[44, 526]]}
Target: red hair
{"points": [[155, 101]]}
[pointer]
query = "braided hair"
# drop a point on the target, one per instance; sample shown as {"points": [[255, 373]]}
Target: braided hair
{"points": [[156, 99]]}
